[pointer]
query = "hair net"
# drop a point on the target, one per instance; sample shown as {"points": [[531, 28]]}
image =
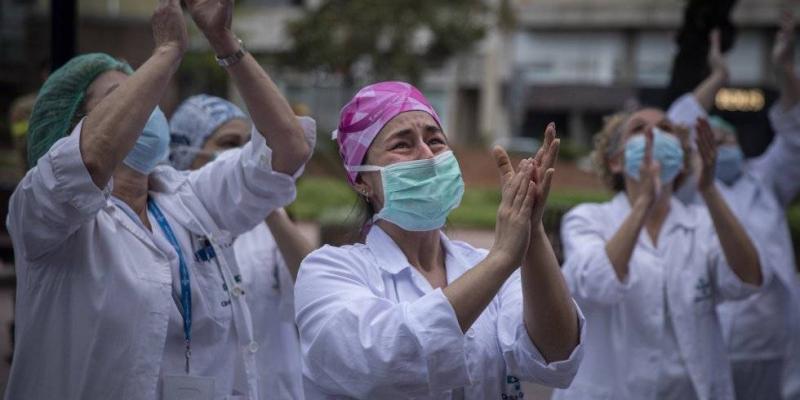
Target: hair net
{"points": [[60, 98], [196, 119]]}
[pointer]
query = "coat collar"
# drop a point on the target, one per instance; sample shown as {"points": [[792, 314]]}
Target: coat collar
{"points": [[391, 259]]}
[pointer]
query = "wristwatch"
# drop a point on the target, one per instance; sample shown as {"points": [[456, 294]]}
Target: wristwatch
{"points": [[234, 58]]}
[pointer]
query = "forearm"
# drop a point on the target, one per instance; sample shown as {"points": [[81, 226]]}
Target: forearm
{"points": [[270, 111], [292, 244], [789, 84], [548, 311], [706, 91], [736, 245], [472, 292], [620, 247], [113, 126]]}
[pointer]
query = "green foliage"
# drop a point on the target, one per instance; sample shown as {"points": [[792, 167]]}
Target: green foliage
{"points": [[386, 35], [199, 73], [323, 199]]}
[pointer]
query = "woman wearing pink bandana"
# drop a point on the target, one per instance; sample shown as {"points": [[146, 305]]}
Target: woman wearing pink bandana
{"points": [[411, 313]]}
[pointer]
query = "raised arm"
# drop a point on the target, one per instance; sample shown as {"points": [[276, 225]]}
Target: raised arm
{"points": [[473, 291], [269, 110], [783, 61], [294, 247], [737, 247], [113, 126], [548, 310], [621, 245], [706, 91]]}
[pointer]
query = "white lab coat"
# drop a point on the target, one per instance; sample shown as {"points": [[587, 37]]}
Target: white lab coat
{"points": [[625, 338], [371, 327], [272, 307], [95, 290], [759, 328]]}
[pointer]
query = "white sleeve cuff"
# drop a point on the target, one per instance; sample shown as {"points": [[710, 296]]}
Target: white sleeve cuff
{"points": [[72, 183], [259, 154], [557, 373]]}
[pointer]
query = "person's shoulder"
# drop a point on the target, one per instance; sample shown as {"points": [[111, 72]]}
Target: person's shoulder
{"points": [[467, 251], [592, 211], [338, 257]]}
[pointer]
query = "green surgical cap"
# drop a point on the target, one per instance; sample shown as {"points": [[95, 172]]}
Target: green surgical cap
{"points": [[60, 98], [720, 123]]}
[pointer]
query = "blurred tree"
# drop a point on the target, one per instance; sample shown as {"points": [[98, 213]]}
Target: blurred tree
{"points": [[395, 39]]}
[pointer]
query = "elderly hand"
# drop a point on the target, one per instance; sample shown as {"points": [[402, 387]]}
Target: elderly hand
{"points": [[708, 154], [214, 18], [543, 162], [512, 230], [169, 28]]}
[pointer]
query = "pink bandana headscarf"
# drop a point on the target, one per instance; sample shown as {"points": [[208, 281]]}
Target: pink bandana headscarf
{"points": [[368, 112]]}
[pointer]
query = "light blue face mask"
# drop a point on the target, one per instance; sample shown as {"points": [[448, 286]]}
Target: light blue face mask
{"points": [[729, 163], [152, 147], [666, 150], [418, 195]]}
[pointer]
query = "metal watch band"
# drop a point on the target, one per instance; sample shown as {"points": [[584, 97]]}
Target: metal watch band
{"points": [[232, 59]]}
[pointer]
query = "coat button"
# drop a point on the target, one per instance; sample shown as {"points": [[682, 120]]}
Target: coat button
{"points": [[252, 347], [237, 291], [470, 333]]}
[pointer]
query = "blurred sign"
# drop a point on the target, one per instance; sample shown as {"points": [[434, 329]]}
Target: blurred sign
{"points": [[747, 100]]}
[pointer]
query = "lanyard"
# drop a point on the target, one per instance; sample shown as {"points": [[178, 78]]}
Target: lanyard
{"points": [[186, 293]]}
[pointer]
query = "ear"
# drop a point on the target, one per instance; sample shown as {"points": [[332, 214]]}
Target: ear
{"points": [[615, 164], [362, 188]]}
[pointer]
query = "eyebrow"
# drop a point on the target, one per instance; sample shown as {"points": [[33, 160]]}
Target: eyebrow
{"points": [[400, 133]]}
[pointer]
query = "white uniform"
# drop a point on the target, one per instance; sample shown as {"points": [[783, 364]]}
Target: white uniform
{"points": [[757, 330], [372, 327], [656, 335], [271, 301], [96, 311]]}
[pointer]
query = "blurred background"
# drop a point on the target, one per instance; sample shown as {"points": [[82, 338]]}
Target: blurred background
{"points": [[497, 71]]}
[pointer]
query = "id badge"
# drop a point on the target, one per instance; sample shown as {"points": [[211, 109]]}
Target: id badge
{"points": [[187, 387]]}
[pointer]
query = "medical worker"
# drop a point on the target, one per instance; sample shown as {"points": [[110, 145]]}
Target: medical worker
{"points": [[411, 313], [127, 284], [758, 330], [207, 128], [650, 270]]}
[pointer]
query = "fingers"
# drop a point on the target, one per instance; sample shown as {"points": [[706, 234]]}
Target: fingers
{"points": [[510, 189], [523, 183], [503, 163], [648, 149], [529, 202], [705, 140], [545, 190], [713, 39]]}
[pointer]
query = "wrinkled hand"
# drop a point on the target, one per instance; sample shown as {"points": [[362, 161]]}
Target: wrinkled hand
{"points": [[708, 154], [169, 28], [214, 18], [543, 162], [512, 230], [783, 50], [716, 60]]}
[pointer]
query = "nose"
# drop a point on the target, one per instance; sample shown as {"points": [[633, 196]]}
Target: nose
{"points": [[425, 152]]}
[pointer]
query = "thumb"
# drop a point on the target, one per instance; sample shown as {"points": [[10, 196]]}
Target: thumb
{"points": [[503, 164]]}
